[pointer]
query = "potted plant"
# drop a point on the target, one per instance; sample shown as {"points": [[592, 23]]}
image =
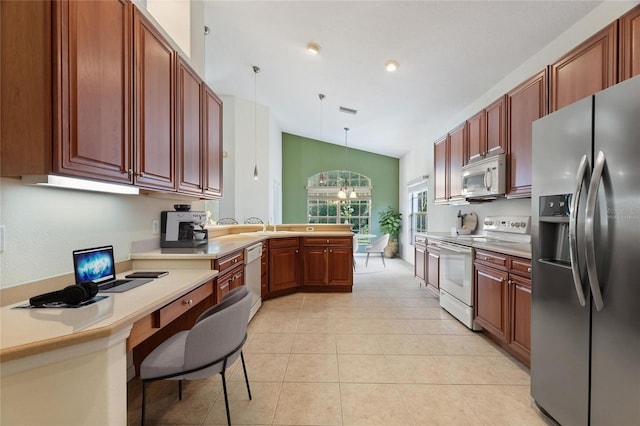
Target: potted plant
{"points": [[390, 221]]}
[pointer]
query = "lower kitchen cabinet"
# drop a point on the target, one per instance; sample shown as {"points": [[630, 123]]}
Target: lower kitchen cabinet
{"points": [[231, 273], [420, 260], [284, 255], [503, 300], [328, 261]]}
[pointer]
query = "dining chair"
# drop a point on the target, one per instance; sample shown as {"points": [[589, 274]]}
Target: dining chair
{"points": [[227, 221], [209, 347], [377, 247], [253, 220]]}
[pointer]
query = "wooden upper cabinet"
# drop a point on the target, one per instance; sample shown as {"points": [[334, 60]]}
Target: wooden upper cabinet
{"points": [[587, 69], [189, 149], [496, 127], [525, 104], [441, 170], [457, 147], [630, 44], [154, 81], [92, 89], [212, 133], [477, 137]]}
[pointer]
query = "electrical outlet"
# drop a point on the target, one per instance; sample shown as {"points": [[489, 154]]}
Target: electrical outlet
{"points": [[309, 228], [155, 226]]}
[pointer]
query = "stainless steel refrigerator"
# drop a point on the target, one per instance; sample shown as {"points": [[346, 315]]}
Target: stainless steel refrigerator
{"points": [[585, 330]]}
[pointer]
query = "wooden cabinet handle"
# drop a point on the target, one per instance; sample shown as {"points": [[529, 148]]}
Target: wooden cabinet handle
{"points": [[222, 287]]}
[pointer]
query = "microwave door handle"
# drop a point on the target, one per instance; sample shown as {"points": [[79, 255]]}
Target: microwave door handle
{"points": [[488, 179], [583, 170], [589, 230]]}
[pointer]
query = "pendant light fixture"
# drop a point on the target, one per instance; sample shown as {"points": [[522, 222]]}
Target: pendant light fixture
{"points": [[321, 177], [256, 70]]}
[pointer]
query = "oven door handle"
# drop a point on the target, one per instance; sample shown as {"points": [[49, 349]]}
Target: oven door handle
{"points": [[456, 248]]}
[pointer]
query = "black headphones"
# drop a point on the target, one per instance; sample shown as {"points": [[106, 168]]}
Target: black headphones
{"points": [[71, 295]]}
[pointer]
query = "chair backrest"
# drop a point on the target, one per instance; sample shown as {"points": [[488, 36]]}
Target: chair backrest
{"points": [[228, 299], [254, 220], [380, 243], [216, 336], [356, 243], [227, 221]]}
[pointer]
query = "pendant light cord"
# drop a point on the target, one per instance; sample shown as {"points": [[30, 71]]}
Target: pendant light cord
{"points": [[256, 70]]}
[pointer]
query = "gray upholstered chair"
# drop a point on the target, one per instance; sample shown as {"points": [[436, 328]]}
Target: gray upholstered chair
{"points": [[208, 348], [377, 247]]}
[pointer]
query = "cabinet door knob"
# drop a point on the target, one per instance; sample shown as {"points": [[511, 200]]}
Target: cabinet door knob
{"points": [[529, 269], [330, 251], [141, 174], [188, 302]]}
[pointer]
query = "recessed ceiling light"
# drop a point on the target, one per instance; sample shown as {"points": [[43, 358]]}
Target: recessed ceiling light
{"points": [[313, 48], [391, 65]]}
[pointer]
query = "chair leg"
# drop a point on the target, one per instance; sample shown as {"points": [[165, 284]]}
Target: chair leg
{"points": [[144, 395], [246, 377], [226, 397], [366, 263], [180, 390], [382, 256]]}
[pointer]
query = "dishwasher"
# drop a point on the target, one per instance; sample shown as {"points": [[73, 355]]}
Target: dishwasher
{"points": [[252, 275]]}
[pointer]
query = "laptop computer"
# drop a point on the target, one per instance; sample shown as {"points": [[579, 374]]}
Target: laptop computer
{"points": [[97, 264]]}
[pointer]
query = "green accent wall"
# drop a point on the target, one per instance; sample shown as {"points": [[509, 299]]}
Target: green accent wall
{"points": [[303, 157]]}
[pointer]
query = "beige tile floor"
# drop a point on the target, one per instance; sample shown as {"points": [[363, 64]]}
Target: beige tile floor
{"points": [[385, 354]]}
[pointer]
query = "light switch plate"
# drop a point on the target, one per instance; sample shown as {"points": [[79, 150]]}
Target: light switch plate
{"points": [[309, 228], [155, 226]]}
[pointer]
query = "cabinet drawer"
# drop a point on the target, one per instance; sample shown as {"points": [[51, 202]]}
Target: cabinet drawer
{"points": [[283, 243], [520, 266], [179, 306], [330, 241], [496, 260], [229, 261]]}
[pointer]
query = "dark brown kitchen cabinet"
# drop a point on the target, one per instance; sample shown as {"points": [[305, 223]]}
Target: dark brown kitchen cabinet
{"points": [[264, 269], [212, 133], [476, 136], [189, 148], [457, 153], [525, 104], [230, 273], [284, 263], [154, 123], [585, 70], [441, 170], [328, 261], [66, 82], [630, 44], [491, 300], [433, 268], [496, 127], [503, 300], [420, 259]]}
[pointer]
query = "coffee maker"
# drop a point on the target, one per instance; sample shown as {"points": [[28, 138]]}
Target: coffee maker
{"points": [[183, 228]]}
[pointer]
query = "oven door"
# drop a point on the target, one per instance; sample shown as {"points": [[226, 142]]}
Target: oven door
{"points": [[456, 271]]}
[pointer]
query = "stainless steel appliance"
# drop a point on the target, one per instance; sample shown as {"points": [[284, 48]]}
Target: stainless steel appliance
{"points": [[252, 275], [485, 178], [585, 341], [456, 281], [183, 229], [456, 261]]}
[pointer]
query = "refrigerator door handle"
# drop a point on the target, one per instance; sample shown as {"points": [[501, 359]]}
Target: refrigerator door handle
{"points": [[589, 231], [581, 176]]}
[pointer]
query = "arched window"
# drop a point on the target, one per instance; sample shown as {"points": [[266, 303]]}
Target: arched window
{"points": [[325, 206]]}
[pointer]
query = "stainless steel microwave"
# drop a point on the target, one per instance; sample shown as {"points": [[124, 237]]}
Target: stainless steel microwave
{"points": [[485, 178]]}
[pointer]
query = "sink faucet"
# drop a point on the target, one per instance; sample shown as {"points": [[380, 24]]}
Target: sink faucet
{"points": [[264, 226]]}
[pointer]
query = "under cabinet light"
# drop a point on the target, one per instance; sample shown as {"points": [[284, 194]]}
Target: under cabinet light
{"points": [[81, 184]]}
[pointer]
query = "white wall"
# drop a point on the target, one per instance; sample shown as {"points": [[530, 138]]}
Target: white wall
{"points": [[175, 17], [419, 161], [44, 225], [244, 196]]}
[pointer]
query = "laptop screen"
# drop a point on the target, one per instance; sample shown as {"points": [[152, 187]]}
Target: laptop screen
{"points": [[94, 264]]}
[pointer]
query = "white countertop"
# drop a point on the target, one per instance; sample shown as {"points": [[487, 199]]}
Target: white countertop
{"points": [[510, 248], [25, 332]]}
